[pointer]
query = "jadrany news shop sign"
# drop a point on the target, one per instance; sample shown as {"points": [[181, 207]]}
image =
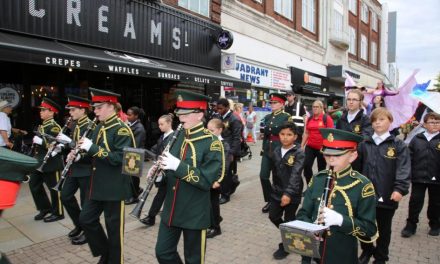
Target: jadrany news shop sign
{"points": [[147, 29]]}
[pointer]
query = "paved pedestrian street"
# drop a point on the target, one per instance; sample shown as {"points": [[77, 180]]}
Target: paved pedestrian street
{"points": [[248, 235]]}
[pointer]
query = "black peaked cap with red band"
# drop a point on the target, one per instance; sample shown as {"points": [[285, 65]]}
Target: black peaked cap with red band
{"points": [[190, 102], [101, 96], [77, 102], [281, 98], [49, 104], [338, 142]]}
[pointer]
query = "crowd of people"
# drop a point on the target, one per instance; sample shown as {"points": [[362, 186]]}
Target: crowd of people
{"points": [[363, 164]]}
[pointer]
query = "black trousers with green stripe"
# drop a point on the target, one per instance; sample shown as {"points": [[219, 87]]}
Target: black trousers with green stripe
{"points": [[194, 245], [39, 194], [112, 244]]}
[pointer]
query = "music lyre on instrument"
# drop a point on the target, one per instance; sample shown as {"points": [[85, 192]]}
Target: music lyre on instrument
{"points": [[137, 210], [59, 186]]}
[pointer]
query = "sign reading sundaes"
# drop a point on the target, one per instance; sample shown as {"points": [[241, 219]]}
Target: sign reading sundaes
{"points": [[143, 28]]}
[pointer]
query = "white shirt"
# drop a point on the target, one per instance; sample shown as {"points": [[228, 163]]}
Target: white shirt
{"points": [[284, 151], [224, 116], [379, 139], [250, 116], [430, 136], [165, 135], [350, 116], [5, 125]]}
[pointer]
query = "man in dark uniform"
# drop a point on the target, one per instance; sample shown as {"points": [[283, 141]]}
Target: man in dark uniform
{"points": [[108, 187], [13, 169], [350, 212], [191, 167], [50, 174], [232, 134], [296, 110], [271, 140], [78, 176]]}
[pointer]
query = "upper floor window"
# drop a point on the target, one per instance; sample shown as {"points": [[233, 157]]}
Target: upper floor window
{"points": [[308, 15], [374, 22], [364, 13], [259, 1], [284, 8], [353, 6], [364, 47], [198, 6], [373, 53], [353, 41], [338, 16]]}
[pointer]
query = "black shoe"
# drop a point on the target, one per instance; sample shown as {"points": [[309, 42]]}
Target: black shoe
{"points": [[434, 231], [234, 186], [409, 230], [149, 221], [53, 218], [103, 260], [379, 262], [224, 199], [365, 257], [265, 208], [74, 233], [41, 215], [213, 232], [280, 253], [131, 200], [79, 240]]}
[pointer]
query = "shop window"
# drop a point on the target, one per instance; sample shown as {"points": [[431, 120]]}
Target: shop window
{"points": [[364, 47], [364, 13], [352, 6], [308, 15], [373, 53], [40, 91], [198, 6], [353, 41], [284, 8]]}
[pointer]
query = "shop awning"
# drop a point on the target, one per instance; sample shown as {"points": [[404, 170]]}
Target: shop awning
{"points": [[25, 49]]}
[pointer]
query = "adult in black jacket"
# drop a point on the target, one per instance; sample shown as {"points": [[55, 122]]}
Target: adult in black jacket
{"points": [[353, 119], [134, 116], [425, 167], [166, 127], [385, 160], [232, 135]]}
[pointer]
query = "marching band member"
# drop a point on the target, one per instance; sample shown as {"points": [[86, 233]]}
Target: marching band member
{"points": [[191, 167], [50, 174], [79, 173], [108, 187]]}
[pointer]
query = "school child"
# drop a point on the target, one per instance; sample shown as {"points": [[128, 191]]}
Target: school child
{"points": [[385, 160], [425, 169], [287, 164]]}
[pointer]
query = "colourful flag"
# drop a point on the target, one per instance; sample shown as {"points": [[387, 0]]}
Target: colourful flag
{"points": [[402, 106]]}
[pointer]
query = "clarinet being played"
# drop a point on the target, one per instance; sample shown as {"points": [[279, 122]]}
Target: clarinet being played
{"points": [[71, 158], [155, 171], [52, 146], [325, 195]]}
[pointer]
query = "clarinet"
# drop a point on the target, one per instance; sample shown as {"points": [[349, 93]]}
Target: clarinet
{"points": [[59, 186], [326, 193], [52, 146], [156, 171]]}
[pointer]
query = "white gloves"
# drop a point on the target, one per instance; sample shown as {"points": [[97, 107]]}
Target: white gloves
{"points": [[58, 148], [63, 138], [169, 162], [37, 140], [150, 172], [86, 144], [331, 217]]}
